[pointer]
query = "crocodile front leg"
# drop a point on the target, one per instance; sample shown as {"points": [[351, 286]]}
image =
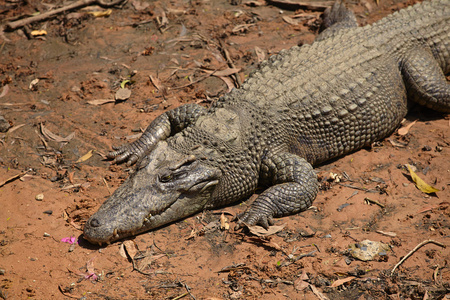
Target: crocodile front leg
{"points": [[294, 188], [161, 128]]}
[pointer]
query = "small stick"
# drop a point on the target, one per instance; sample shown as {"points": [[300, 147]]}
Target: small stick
{"points": [[414, 250], [368, 200], [20, 23]]}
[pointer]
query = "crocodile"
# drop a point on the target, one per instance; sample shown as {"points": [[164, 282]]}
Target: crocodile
{"points": [[351, 87]]}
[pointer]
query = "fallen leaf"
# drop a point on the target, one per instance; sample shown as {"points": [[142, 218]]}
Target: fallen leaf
{"points": [[442, 205], [260, 231], [4, 91], [226, 72], [130, 248], [300, 285], [100, 14], [290, 21], [224, 225], [405, 130], [228, 82], [317, 293], [342, 281], [387, 233], [85, 157], [420, 184], [157, 83], [260, 54], [53, 137], [101, 101]]}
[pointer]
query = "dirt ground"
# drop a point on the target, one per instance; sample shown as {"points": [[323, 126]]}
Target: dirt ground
{"points": [[164, 52]]}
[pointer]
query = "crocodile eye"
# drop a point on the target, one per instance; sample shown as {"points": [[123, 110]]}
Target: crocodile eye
{"points": [[165, 178]]}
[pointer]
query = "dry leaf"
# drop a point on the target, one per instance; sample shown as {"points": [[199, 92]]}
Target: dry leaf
{"points": [[100, 14], [260, 54], [224, 225], [387, 233], [226, 72], [85, 157], [130, 248], [38, 32], [317, 293], [101, 101], [405, 130], [420, 184], [342, 281], [300, 285], [291, 21], [228, 82], [122, 251], [260, 231], [4, 91], [157, 83], [53, 137]]}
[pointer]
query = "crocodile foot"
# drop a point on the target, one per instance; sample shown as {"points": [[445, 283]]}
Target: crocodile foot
{"points": [[129, 153], [254, 217]]}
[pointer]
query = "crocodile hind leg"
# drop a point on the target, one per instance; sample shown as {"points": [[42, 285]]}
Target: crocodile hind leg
{"points": [[335, 19], [294, 188], [425, 80], [162, 127]]}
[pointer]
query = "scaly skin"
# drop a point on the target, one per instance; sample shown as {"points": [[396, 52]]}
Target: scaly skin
{"points": [[304, 106]]}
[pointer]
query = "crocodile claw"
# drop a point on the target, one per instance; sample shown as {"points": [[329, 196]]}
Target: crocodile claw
{"points": [[125, 153], [253, 217]]}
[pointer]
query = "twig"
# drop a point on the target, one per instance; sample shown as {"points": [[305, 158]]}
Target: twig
{"points": [[368, 200], [20, 23], [414, 250], [188, 289]]}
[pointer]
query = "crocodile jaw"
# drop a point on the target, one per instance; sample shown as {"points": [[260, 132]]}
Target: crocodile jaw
{"points": [[143, 202]]}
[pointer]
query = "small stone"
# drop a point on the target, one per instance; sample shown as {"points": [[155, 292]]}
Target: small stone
{"points": [[405, 184], [426, 148], [123, 94], [4, 125], [47, 234], [48, 212], [439, 148], [2, 271], [39, 197]]}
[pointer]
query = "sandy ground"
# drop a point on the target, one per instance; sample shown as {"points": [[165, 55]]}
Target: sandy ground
{"points": [[164, 49]]}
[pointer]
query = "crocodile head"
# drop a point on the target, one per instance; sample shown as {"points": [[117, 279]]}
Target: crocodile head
{"points": [[166, 186]]}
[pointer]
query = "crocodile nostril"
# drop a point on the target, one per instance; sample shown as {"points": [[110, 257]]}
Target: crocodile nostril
{"points": [[95, 223]]}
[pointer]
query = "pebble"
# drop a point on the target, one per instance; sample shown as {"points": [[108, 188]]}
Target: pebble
{"points": [[39, 197], [48, 212], [47, 234], [2, 271]]}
